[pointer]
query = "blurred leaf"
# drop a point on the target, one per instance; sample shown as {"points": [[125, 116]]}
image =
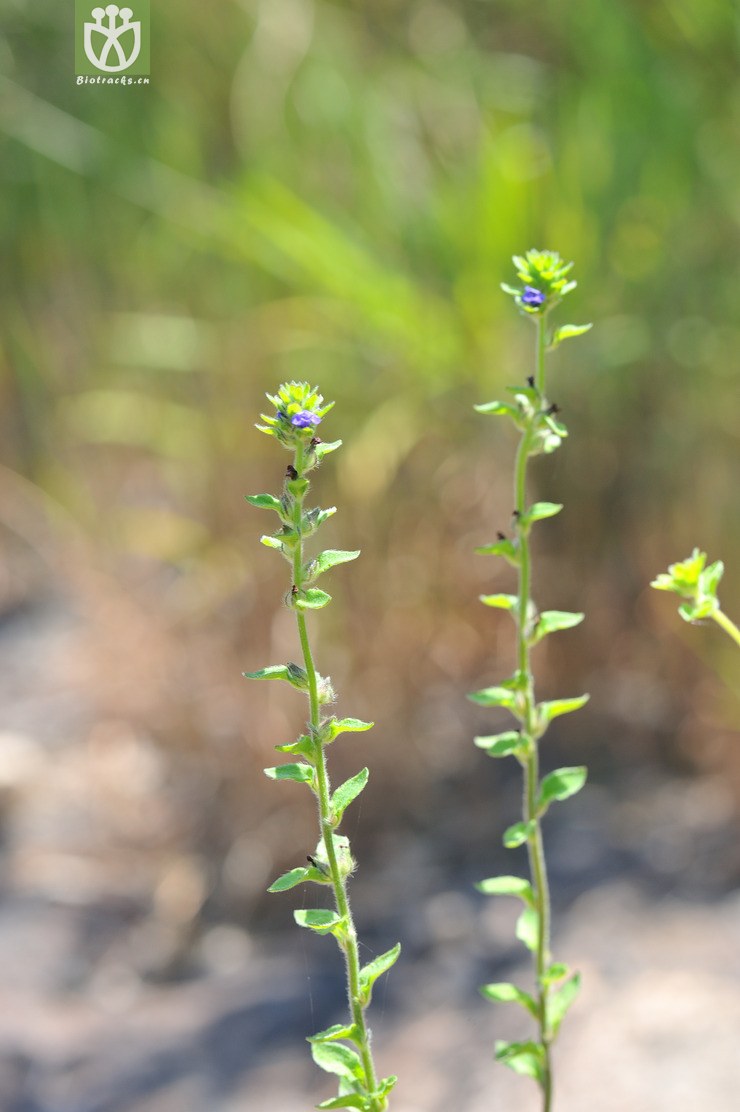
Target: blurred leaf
{"points": [[502, 745], [502, 992], [561, 784], [518, 834], [507, 886], [526, 1058], [559, 1001], [549, 710]]}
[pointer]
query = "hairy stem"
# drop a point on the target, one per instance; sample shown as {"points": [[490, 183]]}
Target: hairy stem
{"points": [[348, 943], [535, 848]]}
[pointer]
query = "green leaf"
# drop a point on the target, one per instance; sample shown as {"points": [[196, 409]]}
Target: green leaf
{"points": [[311, 599], [323, 449], [386, 1085], [318, 919], [502, 992], [556, 972], [346, 793], [336, 1031], [497, 408], [289, 880], [503, 547], [300, 773], [303, 747], [527, 928], [550, 621], [507, 886], [502, 745], [376, 968], [494, 697], [501, 602], [561, 784], [540, 510], [567, 331], [559, 1001], [527, 1058], [291, 673], [518, 834], [548, 711], [330, 559], [265, 502], [338, 1059], [336, 726], [350, 1100]]}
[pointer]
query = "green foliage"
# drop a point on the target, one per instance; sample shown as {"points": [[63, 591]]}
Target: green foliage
{"points": [[560, 784], [518, 834], [567, 332], [500, 602], [551, 621], [336, 1058], [300, 773], [559, 1002], [507, 886], [504, 993], [311, 599], [555, 707], [326, 560], [539, 511], [494, 697], [346, 793], [298, 876], [507, 744], [527, 1058], [376, 968], [333, 727], [320, 920], [291, 673]]}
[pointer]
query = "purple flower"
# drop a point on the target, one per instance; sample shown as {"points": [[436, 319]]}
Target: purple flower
{"points": [[305, 419], [532, 297]]}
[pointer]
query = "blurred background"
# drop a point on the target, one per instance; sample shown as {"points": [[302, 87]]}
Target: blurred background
{"points": [[331, 190]]}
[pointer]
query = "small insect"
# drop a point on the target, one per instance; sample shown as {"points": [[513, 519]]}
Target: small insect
{"points": [[293, 591], [554, 408], [316, 864], [315, 440], [530, 381], [290, 472], [501, 536]]}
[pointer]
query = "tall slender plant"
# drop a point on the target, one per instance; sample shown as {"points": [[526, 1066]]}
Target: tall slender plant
{"points": [[545, 282], [344, 1049]]}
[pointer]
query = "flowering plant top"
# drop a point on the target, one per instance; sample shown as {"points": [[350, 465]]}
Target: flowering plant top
{"points": [[544, 275], [694, 582], [300, 408]]}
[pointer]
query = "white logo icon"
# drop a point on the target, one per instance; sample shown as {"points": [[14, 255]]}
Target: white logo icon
{"points": [[107, 38]]}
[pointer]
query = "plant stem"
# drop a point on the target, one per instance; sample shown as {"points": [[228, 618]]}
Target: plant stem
{"points": [[727, 625], [535, 849], [348, 942]]}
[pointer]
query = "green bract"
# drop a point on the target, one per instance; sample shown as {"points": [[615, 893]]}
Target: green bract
{"points": [[299, 410], [545, 281]]}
